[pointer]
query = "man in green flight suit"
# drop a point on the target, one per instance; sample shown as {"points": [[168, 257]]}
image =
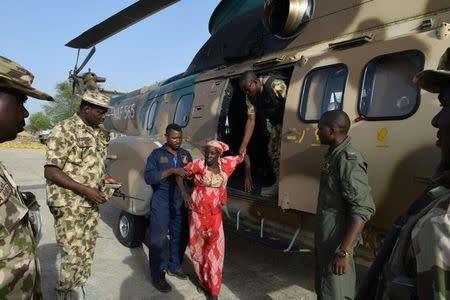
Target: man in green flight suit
{"points": [[19, 266], [345, 204]]}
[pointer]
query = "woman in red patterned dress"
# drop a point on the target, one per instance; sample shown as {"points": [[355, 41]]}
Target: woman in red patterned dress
{"points": [[206, 241]]}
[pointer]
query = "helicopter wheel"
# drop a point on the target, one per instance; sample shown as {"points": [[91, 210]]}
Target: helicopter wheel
{"points": [[131, 229]]}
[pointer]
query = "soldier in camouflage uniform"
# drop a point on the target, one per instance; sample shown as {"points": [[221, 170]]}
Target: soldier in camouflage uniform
{"points": [[266, 94], [345, 204], [19, 267], [419, 265], [75, 174]]}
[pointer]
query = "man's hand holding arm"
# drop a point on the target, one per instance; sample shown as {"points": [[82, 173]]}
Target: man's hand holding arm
{"points": [[153, 174]]}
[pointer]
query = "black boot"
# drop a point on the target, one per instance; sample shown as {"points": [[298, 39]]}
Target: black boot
{"points": [[162, 285]]}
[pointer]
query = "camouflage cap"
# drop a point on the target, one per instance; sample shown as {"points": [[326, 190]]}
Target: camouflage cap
{"points": [[435, 80], [16, 77], [97, 98]]}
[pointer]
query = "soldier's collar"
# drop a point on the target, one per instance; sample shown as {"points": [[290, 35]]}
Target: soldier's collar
{"points": [[341, 146], [79, 121]]}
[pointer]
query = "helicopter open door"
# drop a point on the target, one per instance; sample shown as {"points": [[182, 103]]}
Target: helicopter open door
{"points": [[300, 147]]}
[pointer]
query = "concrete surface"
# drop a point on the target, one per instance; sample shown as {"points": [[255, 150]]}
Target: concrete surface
{"points": [[251, 271]]}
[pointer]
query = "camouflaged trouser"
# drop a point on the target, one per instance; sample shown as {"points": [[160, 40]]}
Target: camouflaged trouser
{"points": [[19, 272], [76, 233], [274, 148]]}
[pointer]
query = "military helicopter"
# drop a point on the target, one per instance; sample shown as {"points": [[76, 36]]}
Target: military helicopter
{"points": [[355, 55]]}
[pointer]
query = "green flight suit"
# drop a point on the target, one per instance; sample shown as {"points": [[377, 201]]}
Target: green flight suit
{"points": [[344, 194]]}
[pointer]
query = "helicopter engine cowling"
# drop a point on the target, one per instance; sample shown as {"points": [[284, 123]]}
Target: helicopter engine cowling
{"points": [[286, 18]]}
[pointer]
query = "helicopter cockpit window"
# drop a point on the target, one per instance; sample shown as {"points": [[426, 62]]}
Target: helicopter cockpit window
{"points": [[387, 90], [183, 110], [151, 115], [323, 90]]}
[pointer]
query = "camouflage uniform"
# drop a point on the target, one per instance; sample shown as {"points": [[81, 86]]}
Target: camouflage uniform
{"points": [[344, 194], [19, 266], [277, 90], [419, 265], [79, 151]]}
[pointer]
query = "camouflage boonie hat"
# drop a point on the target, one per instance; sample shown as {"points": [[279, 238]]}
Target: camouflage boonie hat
{"points": [[96, 98], [435, 80], [16, 77]]}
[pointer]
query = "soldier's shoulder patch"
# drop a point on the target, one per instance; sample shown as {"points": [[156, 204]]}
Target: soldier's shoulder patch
{"points": [[351, 155], [163, 159], [326, 168], [5, 190]]}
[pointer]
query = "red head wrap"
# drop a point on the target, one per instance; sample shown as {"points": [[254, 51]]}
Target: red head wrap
{"points": [[220, 146]]}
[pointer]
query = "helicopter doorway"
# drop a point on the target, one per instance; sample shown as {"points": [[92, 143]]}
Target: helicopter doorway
{"points": [[256, 174]]}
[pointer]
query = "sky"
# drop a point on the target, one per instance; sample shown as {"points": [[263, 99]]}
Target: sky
{"points": [[34, 32]]}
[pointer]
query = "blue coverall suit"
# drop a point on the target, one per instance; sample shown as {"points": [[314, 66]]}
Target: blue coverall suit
{"points": [[167, 211]]}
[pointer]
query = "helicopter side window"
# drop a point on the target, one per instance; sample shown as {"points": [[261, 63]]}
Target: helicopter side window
{"points": [[151, 115], [183, 110], [323, 90], [387, 89]]}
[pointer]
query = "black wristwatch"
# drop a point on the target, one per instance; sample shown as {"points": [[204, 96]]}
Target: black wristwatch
{"points": [[342, 253]]}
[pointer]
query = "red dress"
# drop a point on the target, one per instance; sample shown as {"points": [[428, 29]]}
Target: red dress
{"points": [[206, 237]]}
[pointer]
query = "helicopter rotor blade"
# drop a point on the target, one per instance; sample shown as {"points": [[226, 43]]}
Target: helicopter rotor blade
{"points": [[116, 23], [88, 57]]}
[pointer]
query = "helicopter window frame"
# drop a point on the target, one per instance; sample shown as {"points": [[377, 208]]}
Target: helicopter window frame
{"points": [[189, 112], [370, 79], [153, 105], [304, 97]]}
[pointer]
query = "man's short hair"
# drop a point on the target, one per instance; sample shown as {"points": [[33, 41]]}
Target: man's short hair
{"points": [[174, 127], [336, 119], [247, 77]]}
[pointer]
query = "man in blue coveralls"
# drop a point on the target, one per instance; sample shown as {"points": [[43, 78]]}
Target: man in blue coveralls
{"points": [[168, 212]]}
